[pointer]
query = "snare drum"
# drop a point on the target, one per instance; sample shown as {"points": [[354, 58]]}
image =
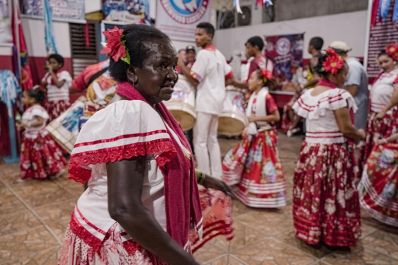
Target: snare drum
{"points": [[233, 118], [182, 103], [65, 128]]}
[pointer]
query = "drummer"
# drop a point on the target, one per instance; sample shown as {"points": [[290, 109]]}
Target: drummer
{"points": [[257, 61], [208, 74]]}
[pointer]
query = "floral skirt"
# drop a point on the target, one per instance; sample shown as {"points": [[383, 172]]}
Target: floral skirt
{"points": [[56, 108], [118, 249], [254, 166], [379, 128], [378, 186], [217, 217], [115, 249], [325, 199], [41, 157]]}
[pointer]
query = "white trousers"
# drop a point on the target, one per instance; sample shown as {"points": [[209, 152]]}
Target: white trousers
{"points": [[207, 149]]}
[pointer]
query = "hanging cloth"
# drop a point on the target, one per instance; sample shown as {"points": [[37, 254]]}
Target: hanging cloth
{"points": [[384, 7], [48, 28]]}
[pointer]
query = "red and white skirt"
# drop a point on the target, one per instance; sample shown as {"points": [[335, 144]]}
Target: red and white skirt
{"points": [[378, 187], [41, 157], [380, 128], [118, 249], [217, 217], [114, 249], [255, 167], [325, 199], [56, 108]]}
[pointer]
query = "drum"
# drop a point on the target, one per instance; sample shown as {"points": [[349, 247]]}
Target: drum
{"points": [[182, 103], [233, 118], [65, 128]]}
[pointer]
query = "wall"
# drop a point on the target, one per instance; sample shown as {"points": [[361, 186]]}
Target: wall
{"points": [[6, 57], [348, 27], [294, 9], [34, 35]]}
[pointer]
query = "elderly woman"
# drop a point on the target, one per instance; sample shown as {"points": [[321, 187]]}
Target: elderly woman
{"points": [[325, 199], [383, 121], [142, 202]]}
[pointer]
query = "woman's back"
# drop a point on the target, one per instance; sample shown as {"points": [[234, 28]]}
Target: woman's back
{"points": [[318, 107]]}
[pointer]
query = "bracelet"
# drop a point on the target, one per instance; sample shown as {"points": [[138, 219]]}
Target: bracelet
{"points": [[201, 177]]}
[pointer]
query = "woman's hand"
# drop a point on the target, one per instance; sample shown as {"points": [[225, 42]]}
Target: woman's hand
{"points": [[252, 118], [381, 114], [244, 133], [362, 133]]}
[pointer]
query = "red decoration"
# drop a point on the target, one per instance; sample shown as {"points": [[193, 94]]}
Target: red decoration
{"points": [[333, 63], [266, 74], [115, 46], [392, 51]]}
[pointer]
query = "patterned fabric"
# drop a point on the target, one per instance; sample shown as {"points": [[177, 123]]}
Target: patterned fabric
{"points": [[41, 157], [378, 186], [217, 217], [380, 128], [56, 108], [255, 167], [325, 199], [115, 249]]}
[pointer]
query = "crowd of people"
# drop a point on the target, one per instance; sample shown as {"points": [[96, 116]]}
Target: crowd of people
{"points": [[154, 193]]}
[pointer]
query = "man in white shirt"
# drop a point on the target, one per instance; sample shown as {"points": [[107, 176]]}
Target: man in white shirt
{"points": [[208, 74], [356, 83]]}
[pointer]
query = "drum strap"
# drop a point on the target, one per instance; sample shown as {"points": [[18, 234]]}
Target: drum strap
{"points": [[96, 75]]}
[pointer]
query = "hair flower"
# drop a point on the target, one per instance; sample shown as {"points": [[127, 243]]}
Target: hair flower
{"points": [[116, 45], [267, 75], [392, 51], [333, 62]]}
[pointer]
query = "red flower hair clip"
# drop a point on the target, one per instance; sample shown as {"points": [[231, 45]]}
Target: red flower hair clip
{"points": [[267, 75], [392, 51], [116, 45], [333, 63]]}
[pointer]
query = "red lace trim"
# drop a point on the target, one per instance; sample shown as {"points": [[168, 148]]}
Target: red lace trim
{"points": [[84, 235], [163, 149]]}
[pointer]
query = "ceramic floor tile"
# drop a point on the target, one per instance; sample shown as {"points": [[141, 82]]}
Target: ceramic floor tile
{"points": [[37, 193], [225, 260], [208, 252], [270, 251], [365, 257], [56, 216], [24, 245], [17, 222], [245, 235], [382, 242], [9, 203]]}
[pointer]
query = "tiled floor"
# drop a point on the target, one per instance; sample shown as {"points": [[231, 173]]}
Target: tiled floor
{"points": [[34, 215]]}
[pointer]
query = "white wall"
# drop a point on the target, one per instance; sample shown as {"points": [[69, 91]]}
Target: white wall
{"points": [[348, 27], [34, 34]]}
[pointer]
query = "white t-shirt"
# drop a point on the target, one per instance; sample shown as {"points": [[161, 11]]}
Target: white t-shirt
{"points": [[29, 115], [55, 93], [210, 69]]}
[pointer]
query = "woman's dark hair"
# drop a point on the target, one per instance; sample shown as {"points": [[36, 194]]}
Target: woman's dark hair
{"points": [[209, 28], [316, 43], [136, 36], [57, 57], [383, 52], [256, 41], [37, 93]]}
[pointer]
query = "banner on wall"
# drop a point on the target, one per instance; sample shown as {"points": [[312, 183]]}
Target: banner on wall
{"points": [[383, 31], [128, 11], [178, 18], [286, 51], [5, 22], [64, 9]]}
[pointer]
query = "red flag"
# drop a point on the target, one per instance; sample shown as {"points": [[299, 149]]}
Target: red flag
{"points": [[25, 77]]}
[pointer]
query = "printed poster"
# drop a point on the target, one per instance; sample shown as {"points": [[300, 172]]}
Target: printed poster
{"points": [[178, 18], [5, 22], [64, 9], [128, 11], [285, 51]]}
